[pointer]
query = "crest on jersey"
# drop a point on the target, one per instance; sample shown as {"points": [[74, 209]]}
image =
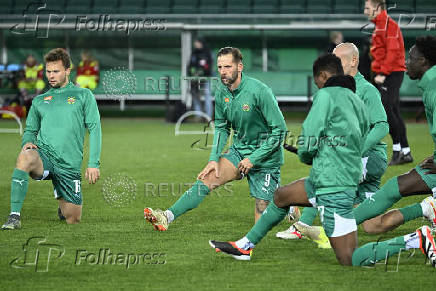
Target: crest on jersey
{"points": [[226, 99], [71, 100], [246, 107], [47, 99]]}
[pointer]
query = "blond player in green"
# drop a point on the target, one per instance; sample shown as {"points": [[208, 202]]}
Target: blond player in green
{"points": [[249, 107], [52, 145]]}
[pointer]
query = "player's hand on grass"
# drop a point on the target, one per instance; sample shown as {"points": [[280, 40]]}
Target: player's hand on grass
{"points": [[428, 164], [379, 79], [426, 161], [245, 165], [92, 174], [28, 146], [290, 148], [211, 166]]}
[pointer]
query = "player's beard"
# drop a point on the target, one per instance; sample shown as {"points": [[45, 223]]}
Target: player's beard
{"points": [[232, 79], [60, 83]]}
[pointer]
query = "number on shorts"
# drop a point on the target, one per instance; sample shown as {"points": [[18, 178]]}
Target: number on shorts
{"points": [[77, 184], [267, 179], [321, 213]]}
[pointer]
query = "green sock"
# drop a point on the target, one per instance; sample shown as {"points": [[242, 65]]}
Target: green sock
{"points": [[270, 218], [411, 212], [190, 199], [308, 216], [376, 251], [384, 198], [20, 181]]}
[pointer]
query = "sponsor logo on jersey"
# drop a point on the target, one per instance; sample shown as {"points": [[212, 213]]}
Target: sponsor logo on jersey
{"points": [[47, 99], [226, 99], [71, 100], [246, 107]]}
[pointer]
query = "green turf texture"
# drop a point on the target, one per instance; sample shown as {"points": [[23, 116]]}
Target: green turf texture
{"points": [[147, 151]]}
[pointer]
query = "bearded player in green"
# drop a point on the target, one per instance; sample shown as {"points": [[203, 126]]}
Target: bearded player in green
{"points": [[336, 170], [52, 145], [249, 108]]}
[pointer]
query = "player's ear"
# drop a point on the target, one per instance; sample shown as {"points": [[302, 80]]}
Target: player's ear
{"points": [[355, 61], [68, 71], [240, 67]]}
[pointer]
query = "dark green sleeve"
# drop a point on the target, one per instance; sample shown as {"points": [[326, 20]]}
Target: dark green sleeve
{"points": [[313, 128], [92, 122], [377, 116], [222, 131], [375, 135], [276, 123], [33, 124]]}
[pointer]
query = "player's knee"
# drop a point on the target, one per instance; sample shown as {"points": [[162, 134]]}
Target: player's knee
{"points": [[25, 160], [72, 219], [371, 227], [211, 181], [279, 197]]}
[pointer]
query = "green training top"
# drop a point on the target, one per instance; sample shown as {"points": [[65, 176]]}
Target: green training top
{"points": [[332, 139], [56, 124], [251, 110], [428, 85], [377, 115]]}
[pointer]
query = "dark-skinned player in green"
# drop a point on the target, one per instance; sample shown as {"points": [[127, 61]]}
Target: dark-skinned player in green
{"points": [[249, 107], [52, 144]]}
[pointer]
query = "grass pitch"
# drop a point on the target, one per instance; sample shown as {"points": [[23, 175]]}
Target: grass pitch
{"points": [[147, 157]]}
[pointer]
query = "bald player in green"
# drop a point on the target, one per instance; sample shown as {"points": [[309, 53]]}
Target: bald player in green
{"points": [[249, 108], [52, 145]]}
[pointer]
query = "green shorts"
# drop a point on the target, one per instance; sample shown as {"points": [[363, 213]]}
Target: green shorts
{"points": [[429, 179], [374, 166], [261, 182], [336, 212], [66, 184]]}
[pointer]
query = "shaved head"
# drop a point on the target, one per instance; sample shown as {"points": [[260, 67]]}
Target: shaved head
{"points": [[347, 49], [349, 55]]}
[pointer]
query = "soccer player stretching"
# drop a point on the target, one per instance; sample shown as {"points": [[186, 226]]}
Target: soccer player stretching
{"points": [[375, 163], [52, 146], [374, 151], [336, 170], [249, 107]]}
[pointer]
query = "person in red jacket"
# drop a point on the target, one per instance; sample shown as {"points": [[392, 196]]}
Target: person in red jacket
{"points": [[388, 65]]}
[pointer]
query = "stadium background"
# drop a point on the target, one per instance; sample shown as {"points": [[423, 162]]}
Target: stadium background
{"points": [[279, 40]]}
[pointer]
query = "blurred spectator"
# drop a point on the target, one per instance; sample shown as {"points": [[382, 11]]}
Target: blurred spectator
{"points": [[336, 37], [200, 65], [31, 80], [88, 72], [365, 58]]}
